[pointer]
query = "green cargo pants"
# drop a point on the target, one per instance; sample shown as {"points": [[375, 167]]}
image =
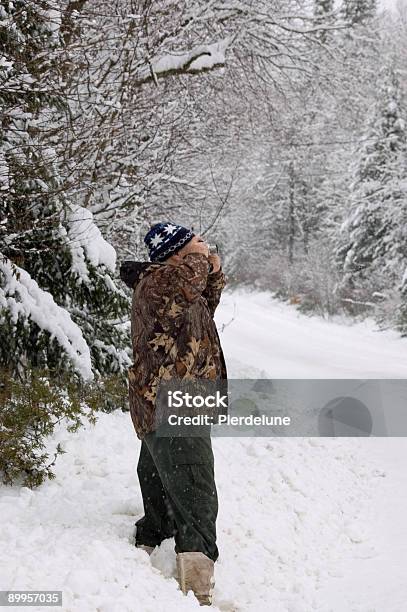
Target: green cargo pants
{"points": [[177, 484]]}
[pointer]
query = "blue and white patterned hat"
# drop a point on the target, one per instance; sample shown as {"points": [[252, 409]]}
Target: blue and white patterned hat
{"points": [[165, 239]]}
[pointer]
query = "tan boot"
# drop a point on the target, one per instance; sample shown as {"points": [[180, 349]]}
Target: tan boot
{"points": [[148, 549], [195, 573]]}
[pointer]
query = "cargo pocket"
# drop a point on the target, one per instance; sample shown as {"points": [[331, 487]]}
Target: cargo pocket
{"points": [[192, 461]]}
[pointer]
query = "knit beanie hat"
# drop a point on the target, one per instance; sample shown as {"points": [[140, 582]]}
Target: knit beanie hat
{"points": [[165, 239]]}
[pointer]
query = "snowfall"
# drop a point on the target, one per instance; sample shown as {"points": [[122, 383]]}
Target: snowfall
{"points": [[304, 523]]}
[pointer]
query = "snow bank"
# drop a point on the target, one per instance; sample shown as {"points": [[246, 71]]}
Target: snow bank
{"points": [[74, 533], [289, 509], [21, 296]]}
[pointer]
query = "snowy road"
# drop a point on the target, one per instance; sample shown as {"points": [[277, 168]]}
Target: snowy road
{"points": [[304, 524], [270, 336]]}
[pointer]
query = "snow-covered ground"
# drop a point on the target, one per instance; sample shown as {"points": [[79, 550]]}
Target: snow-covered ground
{"points": [[275, 338], [304, 523]]}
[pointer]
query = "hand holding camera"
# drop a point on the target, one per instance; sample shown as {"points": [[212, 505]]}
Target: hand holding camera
{"points": [[214, 258]]}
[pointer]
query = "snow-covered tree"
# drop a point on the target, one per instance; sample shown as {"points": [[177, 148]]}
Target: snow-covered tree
{"points": [[358, 11], [373, 248], [59, 306]]}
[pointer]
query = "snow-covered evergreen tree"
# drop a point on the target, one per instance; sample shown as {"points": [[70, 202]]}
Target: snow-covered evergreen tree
{"points": [[358, 11], [373, 248], [59, 306]]}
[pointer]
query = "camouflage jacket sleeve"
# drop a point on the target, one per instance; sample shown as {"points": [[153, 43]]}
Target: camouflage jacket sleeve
{"points": [[214, 287], [172, 289]]}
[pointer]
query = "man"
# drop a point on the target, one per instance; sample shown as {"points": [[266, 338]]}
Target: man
{"points": [[174, 336]]}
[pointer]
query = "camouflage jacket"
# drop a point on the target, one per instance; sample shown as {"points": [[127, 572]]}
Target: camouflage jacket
{"points": [[172, 328]]}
